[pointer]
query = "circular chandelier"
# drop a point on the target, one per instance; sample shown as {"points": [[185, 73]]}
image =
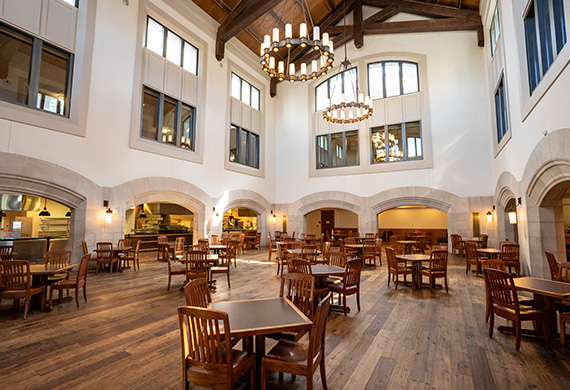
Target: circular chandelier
{"points": [[350, 106], [383, 154], [283, 69]]}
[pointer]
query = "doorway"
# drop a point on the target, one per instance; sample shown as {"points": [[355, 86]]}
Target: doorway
{"points": [[327, 223]]}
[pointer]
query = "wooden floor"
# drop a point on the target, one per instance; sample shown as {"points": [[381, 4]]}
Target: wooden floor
{"points": [[126, 336]]}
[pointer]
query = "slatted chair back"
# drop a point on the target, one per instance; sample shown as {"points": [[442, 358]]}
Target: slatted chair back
{"points": [[58, 258], [257, 240], [352, 272], [369, 248], [6, 252], [501, 289], [394, 240], [378, 247], [215, 239], [326, 252], [438, 261], [484, 240], [16, 275], [230, 254], [309, 252], [421, 244], [553, 264], [241, 240], [501, 243], [301, 266], [206, 341], [162, 240], [196, 261], [341, 245], [179, 247], [285, 237], [225, 236], [338, 259], [495, 264], [85, 248], [564, 272], [105, 250], [317, 337], [123, 242], [296, 244], [471, 251], [351, 240], [369, 236], [197, 293], [510, 253], [302, 236], [82, 271], [392, 262], [203, 245], [300, 290]]}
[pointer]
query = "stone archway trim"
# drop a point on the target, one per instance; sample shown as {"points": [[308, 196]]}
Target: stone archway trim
{"points": [[546, 178]]}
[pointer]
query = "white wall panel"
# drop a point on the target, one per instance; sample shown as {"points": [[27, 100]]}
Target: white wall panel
{"points": [[379, 113], [394, 110], [411, 105], [255, 121], [189, 88], [23, 13], [246, 116], [173, 80], [235, 111], [58, 23], [154, 69]]}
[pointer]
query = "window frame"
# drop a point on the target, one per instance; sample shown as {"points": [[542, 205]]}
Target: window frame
{"points": [[500, 91], [75, 3], [251, 88], [248, 147], [497, 35], [331, 151], [183, 41], [36, 52], [327, 81], [160, 120], [404, 148], [401, 77]]}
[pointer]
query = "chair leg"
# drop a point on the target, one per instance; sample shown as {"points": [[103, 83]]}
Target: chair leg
{"points": [[430, 284], [263, 377], [357, 299], [310, 380], [280, 380], [388, 276], [169, 277], [491, 323], [85, 292], [252, 370], [446, 289], [28, 298], [518, 335], [546, 330], [50, 296], [77, 296], [562, 332], [344, 310], [323, 373], [228, 280]]}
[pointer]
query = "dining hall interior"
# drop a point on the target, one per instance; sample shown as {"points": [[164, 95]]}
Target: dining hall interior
{"points": [[284, 194]]}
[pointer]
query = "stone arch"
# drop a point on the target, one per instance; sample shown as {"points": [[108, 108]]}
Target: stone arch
{"points": [[38, 177], [545, 179], [161, 189]]}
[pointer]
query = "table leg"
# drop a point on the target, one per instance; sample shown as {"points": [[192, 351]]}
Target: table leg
{"points": [[259, 354], [36, 301], [416, 266]]}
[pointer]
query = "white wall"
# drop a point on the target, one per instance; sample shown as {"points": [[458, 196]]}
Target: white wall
{"points": [[459, 121], [412, 218]]}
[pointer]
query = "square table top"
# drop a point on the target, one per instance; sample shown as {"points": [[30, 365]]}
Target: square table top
{"points": [[262, 316], [218, 246], [414, 257], [545, 287], [488, 250], [300, 251], [49, 269], [406, 242], [326, 270]]}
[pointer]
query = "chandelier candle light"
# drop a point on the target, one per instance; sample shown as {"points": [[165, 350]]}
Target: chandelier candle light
{"points": [[283, 70]]}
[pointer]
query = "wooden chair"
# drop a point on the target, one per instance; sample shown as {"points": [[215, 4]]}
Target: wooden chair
{"points": [[378, 251], [338, 259], [437, 268], [203, 245], [281, 260], [105, 255], [495, 264], [208, 359], [510, 255], [297, 359], [179, 248], [197, 293], [505, 303], [175, 270], [271, 251], [299, 289], [257, 241], [564, 319], [163, 242], [17, 283], [134, 256], [370, 236], [241, 245], [215, 239], [225, 261], [420, 246], [85, 248], [553, 264], [196, 265], [484, 240], [350, 284], [6, 252], [309, 252], [369, 252], [342, 248], [301, 266], [326, 253], [456, 244], [80, 281], [471, 257], [564, 273], [60, 259], [394, 269]]}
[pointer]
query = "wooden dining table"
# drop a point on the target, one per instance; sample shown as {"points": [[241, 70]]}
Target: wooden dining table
{"points": [[216, 248], [211, 260], [408, 244], [260, 317], [299, 251], [40, 274], [493, 253], [416, 260]]}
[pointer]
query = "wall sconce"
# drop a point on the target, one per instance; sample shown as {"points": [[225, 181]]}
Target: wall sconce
{"points": [[490, 215], [108, 212], [214, 211], [513, 213], [273, 217]]}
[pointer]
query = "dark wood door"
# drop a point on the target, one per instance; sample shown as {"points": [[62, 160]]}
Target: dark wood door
{"points": [[327, 223]]}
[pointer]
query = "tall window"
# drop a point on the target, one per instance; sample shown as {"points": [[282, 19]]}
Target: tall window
{"points": [[495, 30], [392, 78], [399, 142], [244, 147], [34, 73], [244, 91], [167, 120], [501, 111], [545, 36], [74, 3], [164, 42], [342, 83], [337, 150]]}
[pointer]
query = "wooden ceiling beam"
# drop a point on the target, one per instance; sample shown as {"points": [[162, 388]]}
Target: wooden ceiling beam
{"points": [[420, 26], [357, 23], [383, 15], [425, 9], [245, 13], [313, 55]]}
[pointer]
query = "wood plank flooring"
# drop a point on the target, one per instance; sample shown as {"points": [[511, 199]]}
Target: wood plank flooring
{"points": [[126, 336]]}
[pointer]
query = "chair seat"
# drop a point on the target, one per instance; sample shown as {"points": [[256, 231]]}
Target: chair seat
{"points": [[333, 279], [241, 362], [219, 269], [57, 278], [437, 274], [291, 336], [21, 293], [290, 352], [340, 287], [526, 312], [177, 270], [403, 270]]}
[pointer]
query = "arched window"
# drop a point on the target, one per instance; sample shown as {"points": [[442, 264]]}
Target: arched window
{"points": [[392, 78]]}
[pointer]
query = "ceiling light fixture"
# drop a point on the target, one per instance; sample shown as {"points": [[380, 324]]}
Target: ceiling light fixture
{"points": [[347, 106], [45, 212], [276, 66]]}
